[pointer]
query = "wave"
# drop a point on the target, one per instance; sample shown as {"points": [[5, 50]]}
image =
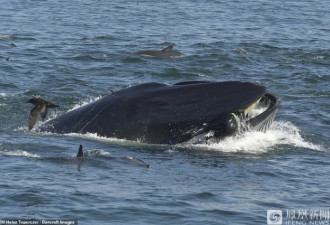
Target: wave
{"points": [[14, 37], [102, 37], [19, 153], [96, 153], [98, 57]]}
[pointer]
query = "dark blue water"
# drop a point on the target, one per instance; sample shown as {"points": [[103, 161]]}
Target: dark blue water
{"points": [[73, 52]]}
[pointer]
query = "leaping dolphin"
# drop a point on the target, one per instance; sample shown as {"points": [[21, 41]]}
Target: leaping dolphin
{"points": [[165, 53], [40, 107]]}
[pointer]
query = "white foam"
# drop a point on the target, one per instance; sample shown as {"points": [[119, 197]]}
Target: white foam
{"points": [[20, 153], [97, 153], [242, 51], [94, 136], [6, 36], [280, 133], [80, 104], [320, 57], [21, 128]]}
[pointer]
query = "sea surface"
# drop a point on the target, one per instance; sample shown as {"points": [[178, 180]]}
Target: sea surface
{"points": [[74, 52]]}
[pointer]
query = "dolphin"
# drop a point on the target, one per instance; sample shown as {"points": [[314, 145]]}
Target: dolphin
{"points": [[40, 107], [130, 159], [165, 53], [80, 153], [168, 114]]}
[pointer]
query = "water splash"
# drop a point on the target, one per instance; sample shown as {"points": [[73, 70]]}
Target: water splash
{"points": [[97, 153], [280, 133], [83, 103], [19, 153], [93, 136]]}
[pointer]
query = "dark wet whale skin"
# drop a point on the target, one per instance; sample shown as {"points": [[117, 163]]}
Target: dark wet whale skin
{"points": [[159, 113]]}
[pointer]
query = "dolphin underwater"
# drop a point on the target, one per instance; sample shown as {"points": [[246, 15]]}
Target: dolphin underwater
{"points": [[81, 154], [165, 53], [168, 114]]}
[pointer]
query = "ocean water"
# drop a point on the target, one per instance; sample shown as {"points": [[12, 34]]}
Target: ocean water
{"points": [[73, 52]]}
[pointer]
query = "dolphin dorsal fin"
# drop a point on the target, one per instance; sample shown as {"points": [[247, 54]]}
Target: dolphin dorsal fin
{"points": [[80, 152], [168, 48]]}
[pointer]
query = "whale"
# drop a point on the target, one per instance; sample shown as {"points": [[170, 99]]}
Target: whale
{"points": [[165, 53], [159, 113]]}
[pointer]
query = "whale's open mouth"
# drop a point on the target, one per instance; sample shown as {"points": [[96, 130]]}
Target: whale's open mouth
{"points": [[261, 117], [257, 116]]}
